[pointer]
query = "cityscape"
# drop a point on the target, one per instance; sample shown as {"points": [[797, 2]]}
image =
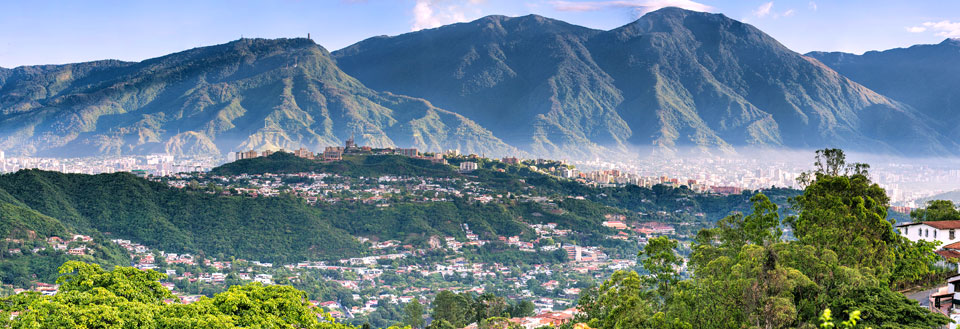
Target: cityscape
{"points": [[480, 164]]}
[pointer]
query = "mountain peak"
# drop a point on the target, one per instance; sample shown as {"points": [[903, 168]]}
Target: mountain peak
{"points": [[951, 42]]}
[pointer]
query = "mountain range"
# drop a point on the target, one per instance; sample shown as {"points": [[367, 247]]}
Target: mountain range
{"points": [[246, 94], [927, 77], [671, 80]]}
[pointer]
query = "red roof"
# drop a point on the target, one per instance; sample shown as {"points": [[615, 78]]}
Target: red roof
{"points": [[955, 245], [948, 254], [944, 224]]}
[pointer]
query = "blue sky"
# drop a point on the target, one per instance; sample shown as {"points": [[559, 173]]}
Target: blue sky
{"points": [[53, 32]]}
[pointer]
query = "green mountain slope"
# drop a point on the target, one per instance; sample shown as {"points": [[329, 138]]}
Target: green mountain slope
{"points": [[247, 94], [672, 79], [124, 206], [925, 76]]}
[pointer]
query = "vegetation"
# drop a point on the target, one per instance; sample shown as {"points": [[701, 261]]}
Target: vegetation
{"points": [[351, 165], [459, 310], [284, 228], [744, 275], [936, 210], [126, 297]]}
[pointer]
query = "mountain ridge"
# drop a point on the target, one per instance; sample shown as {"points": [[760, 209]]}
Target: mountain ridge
{"points": [[923, 76], [249, 93], [671, 79]]}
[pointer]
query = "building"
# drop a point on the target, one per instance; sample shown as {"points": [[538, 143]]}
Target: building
{"points": [[942, 301], [943, 231], [304, 153], [468, 166], [615, 224], [510, 160], [246, 155], [333, 153], [411, 152], [574, 253]]}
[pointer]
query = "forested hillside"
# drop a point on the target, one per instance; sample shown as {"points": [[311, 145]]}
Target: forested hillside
{"points": [[124, 206]]}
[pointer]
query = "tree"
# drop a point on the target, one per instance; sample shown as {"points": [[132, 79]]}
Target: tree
{"points": [[936, 210], [521, 309], [488, 306], [440, 324], [660, 259], [126, 297], [847, 214], [413, 314], [455, 309]]}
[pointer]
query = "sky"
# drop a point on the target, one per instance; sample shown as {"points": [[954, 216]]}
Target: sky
{"points": [[56, 32]]}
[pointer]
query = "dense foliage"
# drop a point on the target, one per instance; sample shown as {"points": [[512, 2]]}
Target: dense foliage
{"points": [[284, 228], [126, 297], [846, 258], [351, 165]]}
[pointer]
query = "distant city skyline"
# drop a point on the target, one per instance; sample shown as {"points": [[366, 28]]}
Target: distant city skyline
{"points": [[58, 32]]}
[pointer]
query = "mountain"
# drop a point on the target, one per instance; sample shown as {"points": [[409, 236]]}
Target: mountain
{"points": [[246, 94], [926, 77], [672, 79]]}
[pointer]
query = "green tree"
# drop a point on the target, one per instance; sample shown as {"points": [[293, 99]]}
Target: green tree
{"points": [[455, 309], [413, 314], [126, 297], [440, 324], [661, 260], [936, 210]]}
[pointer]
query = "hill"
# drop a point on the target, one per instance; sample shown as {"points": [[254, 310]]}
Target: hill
{"points": [[246, 94], [352, 165], [124, 206], [926, 77], [672, 79]]}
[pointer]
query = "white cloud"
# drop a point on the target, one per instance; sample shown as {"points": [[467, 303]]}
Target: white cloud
{"points": [[916, 29], [789, 13], [764, 10], [945, 29], [640, 6], [812, 6], [433, 13]]}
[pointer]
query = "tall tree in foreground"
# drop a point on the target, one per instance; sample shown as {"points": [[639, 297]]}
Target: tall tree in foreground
{"points": [[846, 258], [126, 297]]}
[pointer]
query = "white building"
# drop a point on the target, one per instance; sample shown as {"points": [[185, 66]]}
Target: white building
{"points": [[947, 231], [941, 301], [468, 166]]}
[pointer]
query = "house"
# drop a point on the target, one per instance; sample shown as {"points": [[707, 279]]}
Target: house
{"points": [[615, 224], [941, 301], [944, 231]]}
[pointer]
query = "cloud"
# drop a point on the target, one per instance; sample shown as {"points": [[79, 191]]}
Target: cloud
{"points": [[433, 13], [640, 6], [916, 29], [764, 10], [812, 5], [945, 29]]}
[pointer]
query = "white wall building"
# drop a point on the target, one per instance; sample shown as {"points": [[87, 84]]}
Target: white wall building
{"points": [[947, 231], [468, 166]]}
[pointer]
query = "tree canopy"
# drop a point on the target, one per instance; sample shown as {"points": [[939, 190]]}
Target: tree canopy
{"points": [[846, 257], [126, 297]]}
